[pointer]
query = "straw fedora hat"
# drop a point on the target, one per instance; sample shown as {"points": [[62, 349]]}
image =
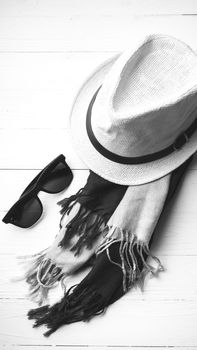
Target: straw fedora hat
{"points": [[134, 119]]}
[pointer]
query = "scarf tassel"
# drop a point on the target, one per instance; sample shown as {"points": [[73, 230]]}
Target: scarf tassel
{"points": [[67, 203], [78, 304], [82, 302], [42, 272], [133, 254], [42, 275], [87, 224]]}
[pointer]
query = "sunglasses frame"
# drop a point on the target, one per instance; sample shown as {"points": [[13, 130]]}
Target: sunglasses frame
{"points": [[34, 187]]}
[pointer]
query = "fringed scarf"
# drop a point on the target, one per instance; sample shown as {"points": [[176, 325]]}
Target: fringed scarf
{"points": [[84, 217], [114, 224]]}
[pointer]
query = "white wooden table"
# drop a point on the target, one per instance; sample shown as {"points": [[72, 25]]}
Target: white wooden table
{"points": [[47, 48]]}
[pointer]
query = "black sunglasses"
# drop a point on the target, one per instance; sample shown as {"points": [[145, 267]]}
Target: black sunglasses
{"points": [[54, 178]]}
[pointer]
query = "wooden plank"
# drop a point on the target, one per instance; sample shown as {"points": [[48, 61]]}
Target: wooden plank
{"points": [[52, 34], [34, 73], [37, 90], [22, 148], [84, 347], [122, 325], [59, 8], [177, 283]]}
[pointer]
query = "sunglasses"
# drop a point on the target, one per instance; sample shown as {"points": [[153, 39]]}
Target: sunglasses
{"points": [[54, 178]]}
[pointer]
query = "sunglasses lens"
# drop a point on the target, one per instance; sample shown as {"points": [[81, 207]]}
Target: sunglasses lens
{"points": [[58, 179], [27, 213]]}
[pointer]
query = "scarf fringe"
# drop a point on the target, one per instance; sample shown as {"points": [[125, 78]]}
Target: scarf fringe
{"points": [[86, 224], [42, 275], [68, 203], [133, 255], [78, 304], [42, 272]]}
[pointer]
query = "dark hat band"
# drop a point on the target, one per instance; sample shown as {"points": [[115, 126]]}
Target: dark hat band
{"points": [[178, 143]]}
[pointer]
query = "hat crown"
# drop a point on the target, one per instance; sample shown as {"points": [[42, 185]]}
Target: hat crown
{"points": [[147, 98]]}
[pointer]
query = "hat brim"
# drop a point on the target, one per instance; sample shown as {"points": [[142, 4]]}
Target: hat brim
{"points": [[118, 173]]}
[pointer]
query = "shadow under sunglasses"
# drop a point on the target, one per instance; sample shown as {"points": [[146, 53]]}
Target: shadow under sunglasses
{"points": [[54, 178]]}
